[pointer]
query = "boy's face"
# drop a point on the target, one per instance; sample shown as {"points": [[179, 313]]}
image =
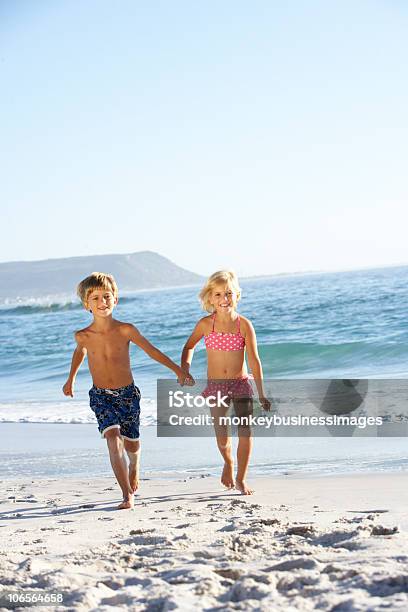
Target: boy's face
{"points": [[224, 298], [101, 302]]}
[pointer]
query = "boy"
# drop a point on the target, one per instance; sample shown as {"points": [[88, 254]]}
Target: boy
{"points": [[114, 398]]}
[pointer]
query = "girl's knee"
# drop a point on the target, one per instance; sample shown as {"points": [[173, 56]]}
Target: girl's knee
{"points": [[224, 443], [244, 433]]}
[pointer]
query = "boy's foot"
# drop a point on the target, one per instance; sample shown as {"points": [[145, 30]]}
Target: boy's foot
{"points": [[227, 476], [127, 504], [242, 486], [133, 477]]}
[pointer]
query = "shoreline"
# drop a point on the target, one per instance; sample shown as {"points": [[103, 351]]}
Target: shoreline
{"points": [[179, 476], [37, 450]]}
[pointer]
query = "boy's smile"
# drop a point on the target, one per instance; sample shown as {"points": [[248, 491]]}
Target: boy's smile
{"points": [[101, 302]]}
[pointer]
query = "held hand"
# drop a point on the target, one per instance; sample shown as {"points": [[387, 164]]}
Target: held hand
{"points": [[265, 403], [68, 388], [184, 378], [189, 381]]}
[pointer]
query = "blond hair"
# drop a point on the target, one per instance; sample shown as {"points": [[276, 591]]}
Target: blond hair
{"points": [[96, 280], [222, 277]]}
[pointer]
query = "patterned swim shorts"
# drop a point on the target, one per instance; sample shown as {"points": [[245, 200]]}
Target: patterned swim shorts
{"points": [[117, 408]]}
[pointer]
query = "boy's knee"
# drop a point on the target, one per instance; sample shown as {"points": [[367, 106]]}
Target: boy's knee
{"points": [[110, 434], [113, 438], [132, 448]]}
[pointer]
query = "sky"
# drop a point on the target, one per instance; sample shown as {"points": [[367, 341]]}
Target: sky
{"points": [[263, 136]]}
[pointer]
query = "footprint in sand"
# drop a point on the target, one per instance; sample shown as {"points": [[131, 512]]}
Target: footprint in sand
{"points": [[48, 529], [292, 564], [268, 522], [380, 530], [301, 530]]}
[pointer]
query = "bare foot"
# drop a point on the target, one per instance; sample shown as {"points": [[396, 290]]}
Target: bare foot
{"points": [[227, 476], [127, 504], [242, 486], [133, 477]]}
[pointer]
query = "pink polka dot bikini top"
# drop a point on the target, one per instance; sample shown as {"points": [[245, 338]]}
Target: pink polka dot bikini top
{"points": [[225, 341]]}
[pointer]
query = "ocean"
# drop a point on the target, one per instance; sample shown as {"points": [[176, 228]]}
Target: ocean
{"points": [[338, 325]]}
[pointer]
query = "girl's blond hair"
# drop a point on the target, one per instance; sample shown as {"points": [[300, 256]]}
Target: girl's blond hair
{"points": [[96, 280], [222, 277]]}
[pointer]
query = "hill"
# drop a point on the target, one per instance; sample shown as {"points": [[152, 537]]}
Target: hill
{"points": [[143, 270]]}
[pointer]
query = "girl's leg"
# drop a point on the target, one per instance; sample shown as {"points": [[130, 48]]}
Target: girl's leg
{"points": [[119, 466], [243, 408], [224, 446]]}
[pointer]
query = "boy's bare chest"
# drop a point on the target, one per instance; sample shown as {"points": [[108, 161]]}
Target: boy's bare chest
{"points": [[107, 346]]}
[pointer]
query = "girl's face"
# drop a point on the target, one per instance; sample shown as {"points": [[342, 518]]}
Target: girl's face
{"points": [[224, 298]]}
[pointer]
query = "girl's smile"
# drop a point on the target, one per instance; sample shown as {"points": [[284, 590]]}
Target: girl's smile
{"points": [[224, 299]]}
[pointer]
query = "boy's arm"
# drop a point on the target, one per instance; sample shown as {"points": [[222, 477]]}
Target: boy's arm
{"points": [[77, 359], [188, 349], [136, 337], [255, 363]]}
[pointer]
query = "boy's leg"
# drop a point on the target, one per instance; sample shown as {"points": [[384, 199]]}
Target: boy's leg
{"points": [[243, 408], [224, 446], [119, 466], [132, 448]]}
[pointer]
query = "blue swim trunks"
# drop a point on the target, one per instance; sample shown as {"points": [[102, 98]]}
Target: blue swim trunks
{"points": [[117, 408]]}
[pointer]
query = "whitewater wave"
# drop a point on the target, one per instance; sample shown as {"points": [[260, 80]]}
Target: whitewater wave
{"points": [[47, 304], [73, 412]]}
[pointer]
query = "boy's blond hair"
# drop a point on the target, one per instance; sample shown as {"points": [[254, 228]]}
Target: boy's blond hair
{"points": [[222, 277], [96, 280]]}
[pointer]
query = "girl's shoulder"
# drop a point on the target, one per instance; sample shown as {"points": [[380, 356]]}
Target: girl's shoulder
{"points": [[205, 324], [245, 324]]}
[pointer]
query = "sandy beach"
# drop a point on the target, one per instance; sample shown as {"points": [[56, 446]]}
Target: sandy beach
{"points": [[331, 543]]}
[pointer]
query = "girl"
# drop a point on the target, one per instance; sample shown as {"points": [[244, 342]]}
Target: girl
{"points": [[227, 335]]}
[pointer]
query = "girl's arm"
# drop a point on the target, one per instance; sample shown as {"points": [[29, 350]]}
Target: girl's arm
{"points": [[136, 337], [255, 363], [77, 359], [188, 350]]}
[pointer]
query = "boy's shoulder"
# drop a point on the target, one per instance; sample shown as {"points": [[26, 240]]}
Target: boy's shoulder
{"points": [[124, 326], [82, 333]]}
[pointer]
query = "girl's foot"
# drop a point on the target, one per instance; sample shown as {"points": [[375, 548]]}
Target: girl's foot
{"points": [[227, 476], [133, 477], [127, 504], [242, 486]]}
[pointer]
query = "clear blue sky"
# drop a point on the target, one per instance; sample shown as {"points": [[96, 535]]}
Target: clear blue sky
{"points": [[266, 136]]}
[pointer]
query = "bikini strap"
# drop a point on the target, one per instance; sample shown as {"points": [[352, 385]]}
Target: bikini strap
{"points": [[239, 324]]}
